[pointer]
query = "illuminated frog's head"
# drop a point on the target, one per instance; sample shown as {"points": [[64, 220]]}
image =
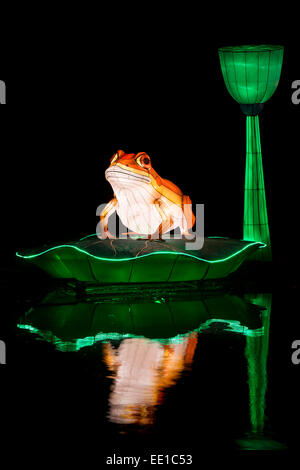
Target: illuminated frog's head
{"points": [[129, 170]]}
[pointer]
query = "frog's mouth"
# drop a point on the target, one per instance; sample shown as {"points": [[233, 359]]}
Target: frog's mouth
{"points": [[117, 174]]}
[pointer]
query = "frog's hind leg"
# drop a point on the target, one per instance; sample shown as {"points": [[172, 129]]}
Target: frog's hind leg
{"points": [[188, 218]]}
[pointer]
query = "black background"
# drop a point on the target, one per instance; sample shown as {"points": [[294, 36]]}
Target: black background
{"points": [[55, 150], [169, 101]]}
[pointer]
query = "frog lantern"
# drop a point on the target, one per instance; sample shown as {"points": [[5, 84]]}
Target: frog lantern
{"points": [[146, 204]]}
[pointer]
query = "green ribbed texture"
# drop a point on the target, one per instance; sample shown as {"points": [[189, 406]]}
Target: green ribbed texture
{"points": [[257, 349], [256, 226], [251, 73]]}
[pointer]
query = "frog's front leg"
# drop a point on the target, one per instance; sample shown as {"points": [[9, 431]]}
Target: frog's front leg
{"points": [[167, 219], [108, 210]]}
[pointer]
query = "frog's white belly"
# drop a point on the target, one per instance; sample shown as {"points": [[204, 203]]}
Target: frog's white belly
{"points": [[138, 212], [136, 207]]}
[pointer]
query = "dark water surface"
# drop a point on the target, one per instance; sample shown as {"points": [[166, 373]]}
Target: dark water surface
{"points": [[182, 373]]}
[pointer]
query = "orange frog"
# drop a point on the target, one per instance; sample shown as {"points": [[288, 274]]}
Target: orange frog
{"points": [[147, 204]]}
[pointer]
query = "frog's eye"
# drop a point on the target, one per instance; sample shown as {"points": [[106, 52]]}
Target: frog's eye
{"points": [[114, 158], [144, 161]]}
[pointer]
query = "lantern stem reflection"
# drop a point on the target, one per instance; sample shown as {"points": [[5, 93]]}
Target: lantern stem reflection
{"points": [[257, 349]]}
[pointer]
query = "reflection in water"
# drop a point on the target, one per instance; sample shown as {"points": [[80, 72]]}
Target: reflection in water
{"points": [[256, 352], [147, 345], [143, 369], [74, 325]]}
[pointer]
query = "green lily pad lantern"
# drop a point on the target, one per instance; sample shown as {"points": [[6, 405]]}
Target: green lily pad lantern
{"points": [[251, 74]]}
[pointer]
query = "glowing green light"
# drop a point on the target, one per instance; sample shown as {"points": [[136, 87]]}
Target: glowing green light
{"points": [[89, 236], [233, 326], [94, 262], [256, 225], [251, 73], [256, 352], [173, 253]]}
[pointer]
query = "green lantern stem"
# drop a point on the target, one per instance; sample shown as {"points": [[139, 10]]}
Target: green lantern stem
{"points": [[256, 226]]}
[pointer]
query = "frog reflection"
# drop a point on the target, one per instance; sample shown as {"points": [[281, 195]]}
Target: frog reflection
{"points": [[143, 370]]}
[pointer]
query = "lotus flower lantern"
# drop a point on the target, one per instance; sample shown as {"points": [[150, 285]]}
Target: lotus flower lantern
{"points": [[251, 74]]}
